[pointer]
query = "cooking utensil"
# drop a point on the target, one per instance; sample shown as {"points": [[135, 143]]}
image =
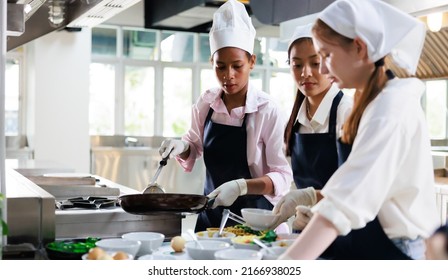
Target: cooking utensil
{"points": [[164, 203], [225, 217], [195, 239], [153, 187], [264, 246], [236, 218]]}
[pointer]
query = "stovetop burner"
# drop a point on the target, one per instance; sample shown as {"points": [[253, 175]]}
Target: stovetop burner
{"points": [[91, 202]]}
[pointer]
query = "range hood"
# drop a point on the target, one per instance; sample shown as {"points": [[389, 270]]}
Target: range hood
{"points": [[75, 15], [183, 15]]}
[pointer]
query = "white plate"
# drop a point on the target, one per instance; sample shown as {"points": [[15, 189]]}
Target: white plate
{"points": [[157, 257], [238, 254]]}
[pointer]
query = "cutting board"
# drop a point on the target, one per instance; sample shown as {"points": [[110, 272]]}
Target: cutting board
{"points": [[65, 187]]}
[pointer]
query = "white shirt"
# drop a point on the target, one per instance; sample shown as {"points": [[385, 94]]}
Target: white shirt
{"points": [[389, 172], [320, 121], [264, 126]]}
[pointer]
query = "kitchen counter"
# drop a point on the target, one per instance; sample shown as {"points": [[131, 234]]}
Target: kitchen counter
{"points": [[32, 216]]}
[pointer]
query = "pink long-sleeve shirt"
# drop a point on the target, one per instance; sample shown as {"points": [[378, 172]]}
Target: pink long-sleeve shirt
{"points": [[264, 125]]}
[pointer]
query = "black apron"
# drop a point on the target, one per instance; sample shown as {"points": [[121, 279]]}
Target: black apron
{"points": [[225, 158], [368, 243], [314, 156]]}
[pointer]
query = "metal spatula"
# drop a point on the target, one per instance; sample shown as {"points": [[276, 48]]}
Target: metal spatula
{"points": [[153, 187]]}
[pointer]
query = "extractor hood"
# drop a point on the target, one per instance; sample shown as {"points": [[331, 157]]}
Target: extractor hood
{"points": [[183, 15], [45, 16]]}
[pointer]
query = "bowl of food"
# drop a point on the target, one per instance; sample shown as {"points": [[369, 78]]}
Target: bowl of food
{"points": [[70, 249], [100, 254], [238, 254], [206, 250], [273, 253], [150, 241], [245, 242], [213, 235], [259, 219], [119, 244]]}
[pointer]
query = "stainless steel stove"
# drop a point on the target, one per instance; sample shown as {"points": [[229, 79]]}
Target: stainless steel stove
{"points": [[102, 216], [37, 217]]}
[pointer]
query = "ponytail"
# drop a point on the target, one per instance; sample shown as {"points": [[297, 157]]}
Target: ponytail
{"points": [[362, 99], [292, 119]]}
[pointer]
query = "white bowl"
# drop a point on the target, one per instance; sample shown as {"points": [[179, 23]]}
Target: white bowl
{"points": [[259, 219], [283, 243], [119, 244], [238, 254], [151, 241], [212, 235], [208, 251], [156, 257], [277, 252], [245, 242]]}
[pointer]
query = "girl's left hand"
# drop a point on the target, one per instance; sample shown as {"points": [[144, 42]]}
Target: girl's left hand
{"points": [[303, 217], [227, 193]]}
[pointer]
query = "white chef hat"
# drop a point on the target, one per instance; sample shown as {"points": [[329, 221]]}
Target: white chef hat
{"points": [[232, 27], [301, 31], [384, 28]]}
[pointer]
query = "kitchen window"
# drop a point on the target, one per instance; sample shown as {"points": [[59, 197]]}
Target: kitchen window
{"points": [[102, 99], [435, 106], [144, 82], [14, 113]]}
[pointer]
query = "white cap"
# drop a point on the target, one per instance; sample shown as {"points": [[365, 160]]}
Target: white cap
{"points": [[301, 31], [384, 28], [232, 27]]}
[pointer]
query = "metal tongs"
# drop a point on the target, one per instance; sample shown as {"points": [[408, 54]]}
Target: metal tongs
{"points": [[226, 214]]}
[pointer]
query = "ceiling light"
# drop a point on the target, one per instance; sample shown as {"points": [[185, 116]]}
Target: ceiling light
{"points": [[27, 8], [434, 21], [56, 12]]}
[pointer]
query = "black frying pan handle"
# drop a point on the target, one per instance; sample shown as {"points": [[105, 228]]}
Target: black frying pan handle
{"points": [[209, 203]]}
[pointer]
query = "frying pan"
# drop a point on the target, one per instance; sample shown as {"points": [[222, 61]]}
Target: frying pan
{"points": [[164, 203]]}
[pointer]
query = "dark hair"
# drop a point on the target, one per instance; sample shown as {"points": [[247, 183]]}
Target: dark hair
{"points": [[362, 99], [297, 102]]}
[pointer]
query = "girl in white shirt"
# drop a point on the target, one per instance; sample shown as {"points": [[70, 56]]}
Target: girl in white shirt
{"points": [[381, 201], [318, 114]]}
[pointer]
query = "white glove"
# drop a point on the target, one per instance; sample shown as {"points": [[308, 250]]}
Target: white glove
{"points": [[303, 217], [286, 207], [178, 147], [227, 193]]}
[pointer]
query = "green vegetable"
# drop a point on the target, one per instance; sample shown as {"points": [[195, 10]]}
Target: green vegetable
{"points": [[249, 230], [70, 246], [269, 236], [3, 223]]}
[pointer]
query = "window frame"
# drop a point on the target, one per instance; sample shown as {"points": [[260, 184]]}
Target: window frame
{"points": [[120, 62]]}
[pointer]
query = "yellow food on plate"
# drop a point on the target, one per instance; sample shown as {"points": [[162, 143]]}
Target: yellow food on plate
{"points": [[240, 230], [178, 243], [246, 239]]}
